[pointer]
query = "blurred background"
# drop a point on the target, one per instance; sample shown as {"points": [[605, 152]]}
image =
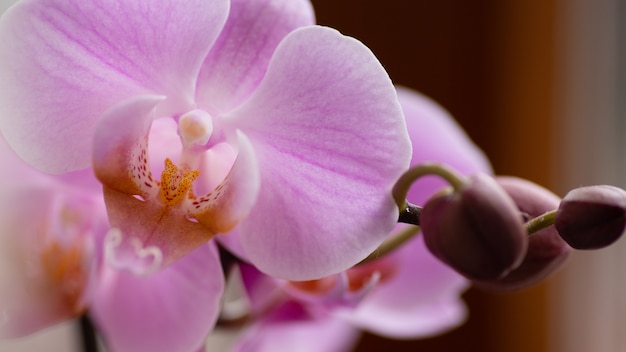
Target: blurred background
{"points": [[538, 85]]}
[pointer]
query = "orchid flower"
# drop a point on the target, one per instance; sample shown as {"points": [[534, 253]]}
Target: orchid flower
{"points": [[406, 294], [52, 269], [288, 131], [47, 238]]}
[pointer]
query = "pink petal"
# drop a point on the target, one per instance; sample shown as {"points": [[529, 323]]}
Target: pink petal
{"points": [[331, 141], [289, 328], [64, 63], [239, 58], [120, 146], [45, 252], [28, 302], [15, 171], [147, 236], [421, 299], [50, 226], [172, 310], [235, 197]]}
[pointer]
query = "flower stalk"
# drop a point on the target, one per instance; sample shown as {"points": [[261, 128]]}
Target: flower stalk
{"points": [[89, 339], [401, 188], [540, 222]]}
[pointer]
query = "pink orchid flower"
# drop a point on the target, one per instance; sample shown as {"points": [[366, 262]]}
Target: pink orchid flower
{"points": [[289, 131], [52, 269], [47, 232], [406, 294]]}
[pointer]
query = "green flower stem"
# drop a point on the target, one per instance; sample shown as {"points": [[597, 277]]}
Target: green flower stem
{"points": [[540, 222], [392, 243], [401, 188]]}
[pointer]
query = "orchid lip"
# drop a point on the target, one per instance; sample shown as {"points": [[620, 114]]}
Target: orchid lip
{"points": [[160, 219]]}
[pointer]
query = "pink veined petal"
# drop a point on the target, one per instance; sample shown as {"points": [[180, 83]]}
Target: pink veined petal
{"points": [[331, 140], [172, 310], [290, 328], [238, 60], [63, 63]]}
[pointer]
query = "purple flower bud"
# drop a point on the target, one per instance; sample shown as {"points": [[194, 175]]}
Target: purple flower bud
{"points": [[592, 217], [547, 251], [478, 230]]}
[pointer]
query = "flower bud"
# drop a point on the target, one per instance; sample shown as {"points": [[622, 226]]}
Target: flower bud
{"points": [[478, 230], [592, 217], [547, 251]]}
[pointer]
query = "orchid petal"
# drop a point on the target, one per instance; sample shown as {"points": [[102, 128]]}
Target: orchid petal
{"points": [[26, 303], [331, 140], [15, 171], [49, 226], [421, 299], [63, 64], [147, 237], [120, 151], [45, 246], [231, 201], [261, 291], [290, 328], [238, 60], [172, 310]]}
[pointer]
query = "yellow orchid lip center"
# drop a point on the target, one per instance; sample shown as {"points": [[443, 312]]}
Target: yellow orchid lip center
{"points": [[176, 184]]}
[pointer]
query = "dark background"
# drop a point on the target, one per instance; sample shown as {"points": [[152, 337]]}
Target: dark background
{"points": [[491, 64]]}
